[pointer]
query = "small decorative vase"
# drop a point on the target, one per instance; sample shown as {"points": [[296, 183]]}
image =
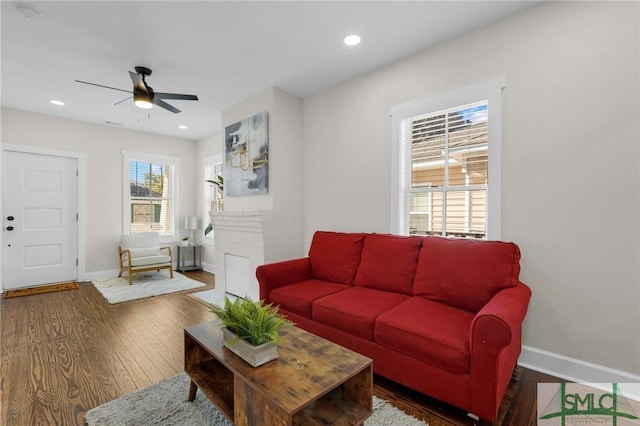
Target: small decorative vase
{"points": [[185, 243], [252, 355]]}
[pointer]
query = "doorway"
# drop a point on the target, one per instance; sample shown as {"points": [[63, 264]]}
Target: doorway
{"points": [[40, 219]]}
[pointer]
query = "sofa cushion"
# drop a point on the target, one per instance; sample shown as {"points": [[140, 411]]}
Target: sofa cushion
{"points": [[335, 256], [432, 332], [465, 273], [355, 309], [388, 262], [299, 297]]}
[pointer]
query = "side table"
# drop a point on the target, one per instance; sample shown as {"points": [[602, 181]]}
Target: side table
{"points": [[197, 258]]}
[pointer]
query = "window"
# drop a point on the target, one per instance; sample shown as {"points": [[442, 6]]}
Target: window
{"points": [[447, 164], [213, 194], [149, 196]]}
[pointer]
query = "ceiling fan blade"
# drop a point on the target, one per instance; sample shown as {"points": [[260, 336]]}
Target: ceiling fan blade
{"points": [[161, 95], [100, 85], [165, 105], [124, 101], [138, 82]]}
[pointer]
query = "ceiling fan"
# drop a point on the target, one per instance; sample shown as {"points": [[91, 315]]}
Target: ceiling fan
{"points": [[143, 95]]}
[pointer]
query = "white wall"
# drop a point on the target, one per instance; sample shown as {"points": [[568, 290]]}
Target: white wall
{"points": [[286, 176], [104, 146], [206, 148], [285, 197], [570, 163]]}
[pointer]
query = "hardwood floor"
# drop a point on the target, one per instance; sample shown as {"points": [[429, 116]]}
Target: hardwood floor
{"points": [[64, 353]]}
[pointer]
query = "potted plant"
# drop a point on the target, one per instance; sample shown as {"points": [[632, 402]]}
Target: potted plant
{"points": [[185, 241], [250, 329]]}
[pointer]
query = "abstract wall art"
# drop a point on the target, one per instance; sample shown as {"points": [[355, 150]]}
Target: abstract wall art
{"points": [[247, 156]]}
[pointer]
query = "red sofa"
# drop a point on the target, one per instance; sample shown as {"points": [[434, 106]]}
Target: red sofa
{"points": [[441, 316]]}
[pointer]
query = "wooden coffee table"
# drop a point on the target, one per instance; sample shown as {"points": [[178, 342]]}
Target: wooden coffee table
{"points": [[313, 381]]}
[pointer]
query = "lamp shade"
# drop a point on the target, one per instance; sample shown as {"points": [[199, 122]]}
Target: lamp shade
{"points": [[191, 223]]}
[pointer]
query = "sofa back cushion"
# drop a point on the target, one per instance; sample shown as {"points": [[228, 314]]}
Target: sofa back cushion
{"points": [[335, 256], [388, 262], [465, 273]]}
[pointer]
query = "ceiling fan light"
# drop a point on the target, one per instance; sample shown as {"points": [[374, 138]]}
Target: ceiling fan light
{"points": [[142, 99], [143, 103]]}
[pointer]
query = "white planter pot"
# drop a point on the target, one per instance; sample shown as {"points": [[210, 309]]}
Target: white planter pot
{"points": [[252, 355]]}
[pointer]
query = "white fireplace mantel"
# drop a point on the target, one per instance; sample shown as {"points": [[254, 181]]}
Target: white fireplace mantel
{"points": [[239, 235]]}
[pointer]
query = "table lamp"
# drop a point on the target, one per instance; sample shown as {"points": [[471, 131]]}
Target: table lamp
{"points": [[191, 224]]}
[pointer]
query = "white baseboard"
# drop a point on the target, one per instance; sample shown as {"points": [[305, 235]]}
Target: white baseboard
{"points": [[208, 267], [101, 275], [572, 369]]}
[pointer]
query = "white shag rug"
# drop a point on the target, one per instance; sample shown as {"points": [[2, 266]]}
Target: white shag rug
{"points": [[118, 290], [166, 404], [208, 297]]}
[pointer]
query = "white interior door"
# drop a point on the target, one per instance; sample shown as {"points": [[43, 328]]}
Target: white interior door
{"points": [[40, 226]]}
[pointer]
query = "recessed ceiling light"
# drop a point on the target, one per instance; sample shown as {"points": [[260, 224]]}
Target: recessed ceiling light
{"points": [[182, 126], [352, 40], [59, 103]]}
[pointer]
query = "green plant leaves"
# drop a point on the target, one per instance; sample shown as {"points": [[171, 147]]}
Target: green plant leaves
{"points": [[254, 322]]}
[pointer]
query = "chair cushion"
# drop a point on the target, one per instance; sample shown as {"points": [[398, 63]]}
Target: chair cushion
{"points": [[144, 252], [150, 260], [140, 240], [355, 309], [299, 297], [388, 262], [465, 273], [432, 332], [334, 256]]}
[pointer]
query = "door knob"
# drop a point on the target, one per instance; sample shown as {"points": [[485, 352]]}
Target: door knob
{"points": [[9, 228]]}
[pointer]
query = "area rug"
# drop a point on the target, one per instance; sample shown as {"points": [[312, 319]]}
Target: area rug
{"points": [[208, 297], [118, 290], [20, 292], [166, 404]]}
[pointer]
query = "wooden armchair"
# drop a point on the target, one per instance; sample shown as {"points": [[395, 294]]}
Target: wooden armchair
{"points": [[141, 252]]}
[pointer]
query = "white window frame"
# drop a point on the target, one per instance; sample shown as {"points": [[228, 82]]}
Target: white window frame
{"points": [[206, 163], [127, 157], [489, 90]]}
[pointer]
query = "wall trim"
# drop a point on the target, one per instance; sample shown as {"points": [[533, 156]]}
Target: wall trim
{"points": [[102, 275], [572, 369], [209, 267]]}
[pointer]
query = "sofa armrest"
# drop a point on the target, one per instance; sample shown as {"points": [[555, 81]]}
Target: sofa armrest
{"points": [[274, 275], [495, 344], [499, 321]]}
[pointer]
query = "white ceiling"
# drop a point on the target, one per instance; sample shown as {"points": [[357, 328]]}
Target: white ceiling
{"points": [[224, 52]]}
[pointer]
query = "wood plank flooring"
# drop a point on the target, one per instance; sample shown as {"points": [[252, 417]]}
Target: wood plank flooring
{"points": [[63, 353]]}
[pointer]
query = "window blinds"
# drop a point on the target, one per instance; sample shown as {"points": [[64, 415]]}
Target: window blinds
{"points": [[151, 195], [449, 177]]}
